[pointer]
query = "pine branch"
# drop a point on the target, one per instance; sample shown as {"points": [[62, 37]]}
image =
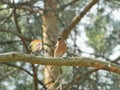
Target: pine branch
{"points": [[77, 19], [78, 61]]}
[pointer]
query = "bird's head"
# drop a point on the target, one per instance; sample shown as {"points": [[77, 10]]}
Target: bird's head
{"points": [[35, 45], [59, 39]]}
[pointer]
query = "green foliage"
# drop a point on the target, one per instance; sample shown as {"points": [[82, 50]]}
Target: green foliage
{"points": [[102, 31], [98, 33], [96, 39]]}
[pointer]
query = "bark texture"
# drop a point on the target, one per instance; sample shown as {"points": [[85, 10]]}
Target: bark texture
{"points": [[78, 61], [50, 33]]}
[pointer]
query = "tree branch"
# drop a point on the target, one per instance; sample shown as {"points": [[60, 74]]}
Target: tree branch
{"points": [[20, 68], [81, 76], [15, 33], [77, 19], [7, 74], [79, 61], [34, 69], [9, 42], [68, 4], [23, 5], [17, 26], [78, 78], [84, 75], [12, 32]]}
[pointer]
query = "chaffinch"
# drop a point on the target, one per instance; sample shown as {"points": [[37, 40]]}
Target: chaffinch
{"points": [[61, 48]]}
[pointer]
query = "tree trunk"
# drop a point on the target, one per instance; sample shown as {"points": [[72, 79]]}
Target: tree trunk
{"points": [[50, 33]]}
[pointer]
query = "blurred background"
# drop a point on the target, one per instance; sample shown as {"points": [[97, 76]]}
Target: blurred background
{"points": [[97, 35]]}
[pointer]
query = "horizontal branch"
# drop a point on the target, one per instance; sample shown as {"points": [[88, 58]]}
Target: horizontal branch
{"points": [[9, 42], [74, 61]]}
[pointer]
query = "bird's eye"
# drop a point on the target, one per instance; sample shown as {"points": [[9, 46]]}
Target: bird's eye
{"points": [[59, 38]]}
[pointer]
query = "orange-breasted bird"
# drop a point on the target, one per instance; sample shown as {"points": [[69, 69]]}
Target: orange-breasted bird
{"points": [[35, 46], [61, 48]]}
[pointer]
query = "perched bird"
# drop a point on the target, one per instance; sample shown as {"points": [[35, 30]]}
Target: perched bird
{"points": [[35, 46], [61, 48], [59, 51]]}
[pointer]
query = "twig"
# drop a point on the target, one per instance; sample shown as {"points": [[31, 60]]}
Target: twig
{"points": [[18, 28], [64, 6], [77, 19], [78, 78], [7, 74], [9, 42], [35, 76], [20, 68]]}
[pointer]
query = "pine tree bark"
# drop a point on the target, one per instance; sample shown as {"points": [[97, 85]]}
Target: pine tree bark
{"points": [[50, 33]]}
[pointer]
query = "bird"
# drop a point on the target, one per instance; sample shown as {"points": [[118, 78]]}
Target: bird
{"points": [[35, 46], [59, 51], [60, 48]]}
